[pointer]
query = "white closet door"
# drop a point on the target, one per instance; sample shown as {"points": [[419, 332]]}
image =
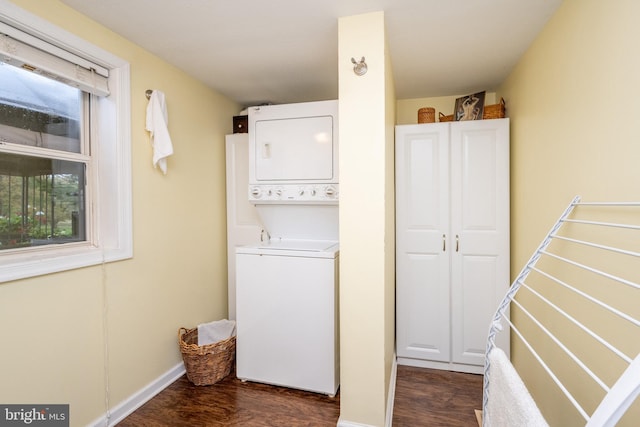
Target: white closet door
{"points": [[479, 232], [243, 223], [422, 260]]}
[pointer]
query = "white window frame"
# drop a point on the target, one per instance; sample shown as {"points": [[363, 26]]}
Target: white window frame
{"points": [[110, 144]]}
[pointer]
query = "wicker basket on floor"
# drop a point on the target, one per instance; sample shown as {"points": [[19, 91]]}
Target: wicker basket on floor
{"points": [[206, 364]]}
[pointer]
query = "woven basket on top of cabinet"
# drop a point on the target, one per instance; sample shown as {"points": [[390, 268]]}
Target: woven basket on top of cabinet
{"points": [[206, 364], [427, 115], [494, 111], [444, 118]]}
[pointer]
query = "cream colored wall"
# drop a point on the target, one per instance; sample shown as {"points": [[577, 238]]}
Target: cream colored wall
{"points": [[367, 112], [53, 327], [408, 108], [572, 103]]}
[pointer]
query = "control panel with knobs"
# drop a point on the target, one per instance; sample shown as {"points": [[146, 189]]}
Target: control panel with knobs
{"points": [[294, 193]]}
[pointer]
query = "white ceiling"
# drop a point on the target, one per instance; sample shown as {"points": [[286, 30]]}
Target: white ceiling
{"points": [[280, 51]]}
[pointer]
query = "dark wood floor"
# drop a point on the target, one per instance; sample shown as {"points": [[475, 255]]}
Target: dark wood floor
{"points": [[424, 397], [434, 398]]}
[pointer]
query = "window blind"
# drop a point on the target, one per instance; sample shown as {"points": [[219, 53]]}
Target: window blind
{"points": [[23, 50]]}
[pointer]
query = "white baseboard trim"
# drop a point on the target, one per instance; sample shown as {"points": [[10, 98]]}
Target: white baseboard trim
{"points": [[390, 400], [392, 391], [343, 423], [133, 402], [447, 366]]}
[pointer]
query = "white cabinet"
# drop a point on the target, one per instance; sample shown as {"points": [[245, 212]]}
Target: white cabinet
{"points": [[452, 240], [243, 223]]}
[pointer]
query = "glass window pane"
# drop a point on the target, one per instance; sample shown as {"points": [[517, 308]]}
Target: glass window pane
{"points": [[41, 201], [38, 111]]}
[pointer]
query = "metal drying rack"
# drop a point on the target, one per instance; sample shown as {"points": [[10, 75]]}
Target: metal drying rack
{"points": [[574, 308]]}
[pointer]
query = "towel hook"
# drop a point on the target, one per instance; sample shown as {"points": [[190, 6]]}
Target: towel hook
{"points": [[148, 93]]}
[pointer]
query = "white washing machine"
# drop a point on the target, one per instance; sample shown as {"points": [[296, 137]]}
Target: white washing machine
{"points": [[287, 316]]}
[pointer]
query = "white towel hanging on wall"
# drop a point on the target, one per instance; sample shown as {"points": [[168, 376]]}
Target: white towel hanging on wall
{"points": [[157, 125]]}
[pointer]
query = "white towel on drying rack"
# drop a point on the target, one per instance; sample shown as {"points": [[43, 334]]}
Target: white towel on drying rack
{"points": [[158, 126], [509, 402]]}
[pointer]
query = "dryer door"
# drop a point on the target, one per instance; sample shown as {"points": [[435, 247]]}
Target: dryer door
{"points": [[296, 149]]}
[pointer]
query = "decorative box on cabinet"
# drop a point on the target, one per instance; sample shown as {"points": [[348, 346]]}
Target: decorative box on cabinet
{"points": [[452, 240], [240, 124]]}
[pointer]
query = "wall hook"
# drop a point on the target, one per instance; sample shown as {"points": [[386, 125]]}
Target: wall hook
{"points": [[359, 67]]}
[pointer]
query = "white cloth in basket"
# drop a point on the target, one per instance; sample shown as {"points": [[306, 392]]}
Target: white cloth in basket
{"points": [[212, 332]]}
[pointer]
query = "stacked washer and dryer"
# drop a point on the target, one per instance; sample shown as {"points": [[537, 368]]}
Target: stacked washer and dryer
{"points": [[287, 285]]}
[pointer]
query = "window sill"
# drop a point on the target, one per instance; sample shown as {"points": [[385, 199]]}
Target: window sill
{"points": [[41, 262]]}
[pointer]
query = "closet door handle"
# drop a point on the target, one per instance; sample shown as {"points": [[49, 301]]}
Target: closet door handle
{"points": [[457, 242], [444, 243], [266, 150]]}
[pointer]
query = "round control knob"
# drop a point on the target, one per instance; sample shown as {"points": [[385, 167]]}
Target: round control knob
{"points": [[313, 191], [330, 191], [279, 192], [256, 193]]}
